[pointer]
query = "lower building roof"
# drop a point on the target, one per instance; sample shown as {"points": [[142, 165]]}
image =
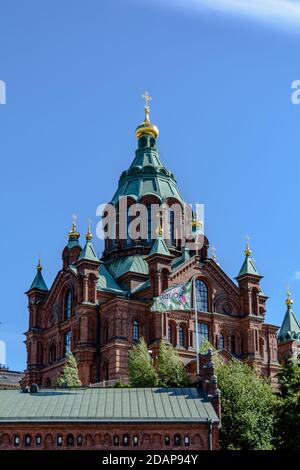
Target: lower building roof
{"points": [[107, 405]]}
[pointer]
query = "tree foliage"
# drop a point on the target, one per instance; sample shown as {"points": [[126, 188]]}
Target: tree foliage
{"points": [[248, 405], [170, 369], [140, 367], [69, 375], [288, 423]]}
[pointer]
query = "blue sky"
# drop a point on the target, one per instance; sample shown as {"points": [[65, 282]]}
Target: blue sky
{"points": [[220, 78]]}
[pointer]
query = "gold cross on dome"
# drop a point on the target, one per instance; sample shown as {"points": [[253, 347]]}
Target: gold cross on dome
{"points": [[147, 98]]}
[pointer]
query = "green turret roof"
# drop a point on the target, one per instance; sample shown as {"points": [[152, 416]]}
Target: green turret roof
{"points": [[159, 247], [290, 328], [248, 267], [88, 253], [38, 282]]}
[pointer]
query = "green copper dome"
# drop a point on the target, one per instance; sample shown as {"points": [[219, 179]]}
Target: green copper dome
{"points": [[147, 175]]}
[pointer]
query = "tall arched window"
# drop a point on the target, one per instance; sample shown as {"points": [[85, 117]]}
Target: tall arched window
{"points": [[182, 336], [201, 296], [221, 341], [171, 226], [254, 301], [67, 342], [68, 304], [52, 353], [136, 331], [172, 333]]}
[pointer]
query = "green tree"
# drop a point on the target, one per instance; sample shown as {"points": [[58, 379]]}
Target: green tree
{"points": [[248, 406], [170, 369], [288, 423], [141, 370], [69, 375]]}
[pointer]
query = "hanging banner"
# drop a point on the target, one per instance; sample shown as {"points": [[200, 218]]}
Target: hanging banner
{"points": [[174, 298]]}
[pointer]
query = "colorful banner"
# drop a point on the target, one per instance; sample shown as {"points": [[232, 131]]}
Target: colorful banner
{"points": [[174, 298]]}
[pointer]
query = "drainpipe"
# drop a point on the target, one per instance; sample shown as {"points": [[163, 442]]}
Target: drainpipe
{"points": [[210, 429]]}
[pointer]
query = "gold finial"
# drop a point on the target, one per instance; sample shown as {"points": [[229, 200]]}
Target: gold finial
{"points": [[147, 98], [73, 234], [89, 235], [146, 127], [289, 301], [39, 266], [196, 223], [247, 250]]}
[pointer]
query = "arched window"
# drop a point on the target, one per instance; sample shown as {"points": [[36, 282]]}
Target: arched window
{"points": [[167, 440], [221, 341], [52, 353], [136, 331], [67, 342], [135, 440], [172, 333], [79, 440], [16, 440], [201, 296], [38, 440], [126, 440], [70, 440], [68, 304], [182, 336], [27, 440], [187, 440], [203, 333], [116, 440], [59, 441], [171, 218], [254, 301], [177, 440], [233, 344]]}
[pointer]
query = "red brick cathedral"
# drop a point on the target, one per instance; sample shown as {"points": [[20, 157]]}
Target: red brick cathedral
{"points": [[98, 308]]}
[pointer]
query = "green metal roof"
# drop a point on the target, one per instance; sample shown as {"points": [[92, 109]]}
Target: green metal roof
{"points": [[125, 264], [143, 286], [290, 328], [38, 282], [106, 281], [159, 247], [72, 243], [147, 175], [88, 253], [248, 267], [176, 262], [106, 405]]}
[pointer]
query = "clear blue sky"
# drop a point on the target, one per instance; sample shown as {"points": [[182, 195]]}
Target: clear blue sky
{"points": [[220, 82]]}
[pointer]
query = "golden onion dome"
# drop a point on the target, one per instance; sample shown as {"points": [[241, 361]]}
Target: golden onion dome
{"points": [[147, 127], [289, 301], [73, 234]]}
